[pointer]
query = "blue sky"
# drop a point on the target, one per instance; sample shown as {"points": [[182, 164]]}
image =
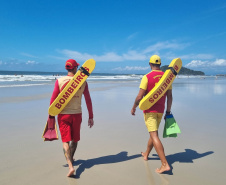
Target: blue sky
{"points": [[121, 35]]}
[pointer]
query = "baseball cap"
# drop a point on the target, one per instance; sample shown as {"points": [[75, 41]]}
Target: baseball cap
{"points": [[71, 64], [155, 59]]}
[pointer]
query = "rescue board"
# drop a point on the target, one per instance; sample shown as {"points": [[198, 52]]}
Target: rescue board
{"points": [[72, 87], [162, 86]]}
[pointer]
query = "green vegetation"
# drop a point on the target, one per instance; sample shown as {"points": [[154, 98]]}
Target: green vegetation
{"points": [[185, 71]]}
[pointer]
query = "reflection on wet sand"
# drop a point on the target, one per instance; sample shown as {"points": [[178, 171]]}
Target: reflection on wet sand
{"points": [[150, 177]]}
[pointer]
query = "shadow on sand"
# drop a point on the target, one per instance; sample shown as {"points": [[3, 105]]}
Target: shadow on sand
{"points": [[183, 157], [85, 164]]}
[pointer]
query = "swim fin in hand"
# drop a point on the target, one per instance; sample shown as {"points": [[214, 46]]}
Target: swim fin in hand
{"points": [[171, 128], [50, 131]]}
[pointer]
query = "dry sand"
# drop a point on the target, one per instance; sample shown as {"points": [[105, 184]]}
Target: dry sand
{"points": [[109, 153]]}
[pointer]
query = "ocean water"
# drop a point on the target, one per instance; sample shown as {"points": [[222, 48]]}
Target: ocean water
{"points": [[28, 78]]}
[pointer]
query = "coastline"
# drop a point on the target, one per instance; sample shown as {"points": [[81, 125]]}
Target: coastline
{"points": [[109, 153]]}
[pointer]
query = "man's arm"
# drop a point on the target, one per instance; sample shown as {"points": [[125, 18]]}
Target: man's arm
{"points": [[89, 105], [51, 119], [137, 100], [56, 91], [169, 96]]}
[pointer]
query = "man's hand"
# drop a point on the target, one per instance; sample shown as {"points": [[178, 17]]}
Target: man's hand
{"points": [[167, 113], [133, 110], [51, 122], [90, 123]]}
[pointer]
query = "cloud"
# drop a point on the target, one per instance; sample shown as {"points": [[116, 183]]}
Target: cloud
{"points": [[31, 62], [134, 55], [58, 58], [17, 62], [218, 8], [131, 55], [165, 45], [167, 49], [10, 62], [110, 56], [201, 56], [131, 68], [130, 37], [28, 55], [196, 63], [219, 62], [107, 57], [203, 64]]}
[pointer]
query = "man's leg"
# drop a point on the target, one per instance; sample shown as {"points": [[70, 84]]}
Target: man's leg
{"points": [[67, 153], [160, 151], [75, 133], [73, 147], [148, 150]]}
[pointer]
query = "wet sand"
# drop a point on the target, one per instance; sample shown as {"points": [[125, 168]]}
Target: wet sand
{"points": [[109, 153]]}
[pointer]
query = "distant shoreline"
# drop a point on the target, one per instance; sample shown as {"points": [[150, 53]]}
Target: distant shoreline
{"points": [[5, 72]]}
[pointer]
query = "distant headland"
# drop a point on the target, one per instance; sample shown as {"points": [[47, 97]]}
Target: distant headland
{"points": [[185, 71]]}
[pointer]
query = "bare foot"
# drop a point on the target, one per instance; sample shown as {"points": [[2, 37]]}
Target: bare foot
{"points": [[164, 168], [71, 172], [145, 156]]}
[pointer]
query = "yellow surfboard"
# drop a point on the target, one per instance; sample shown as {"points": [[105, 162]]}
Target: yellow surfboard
{"points": [[72, 87], [162, 86]]}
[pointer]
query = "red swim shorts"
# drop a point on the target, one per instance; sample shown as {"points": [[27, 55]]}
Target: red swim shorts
{"points": [[69, 125]]}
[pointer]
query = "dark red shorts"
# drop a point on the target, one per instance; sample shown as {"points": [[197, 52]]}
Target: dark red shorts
{"points": [[69, 125]]}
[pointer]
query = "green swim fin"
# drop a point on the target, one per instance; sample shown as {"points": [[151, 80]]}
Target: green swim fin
{"points": [[171, 128]]}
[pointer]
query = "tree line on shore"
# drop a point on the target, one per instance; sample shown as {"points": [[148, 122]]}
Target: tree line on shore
{"points": [[185, 71]]}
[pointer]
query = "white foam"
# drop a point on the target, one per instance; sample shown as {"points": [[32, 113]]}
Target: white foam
{"points": [[21, 78], [31, 80], [20, 85]]}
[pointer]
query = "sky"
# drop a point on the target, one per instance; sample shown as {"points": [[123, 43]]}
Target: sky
{"points": [[120, 35]]}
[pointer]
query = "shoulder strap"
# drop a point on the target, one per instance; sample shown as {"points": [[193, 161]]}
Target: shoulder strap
{"points": [[173, 70], [83, 70]]}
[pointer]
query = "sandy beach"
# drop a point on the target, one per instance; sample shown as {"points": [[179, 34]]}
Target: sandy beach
{"points": [[109, 153]]}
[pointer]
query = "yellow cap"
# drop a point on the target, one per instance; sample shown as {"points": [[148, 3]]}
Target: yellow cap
{"points": [[155, 59]]}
